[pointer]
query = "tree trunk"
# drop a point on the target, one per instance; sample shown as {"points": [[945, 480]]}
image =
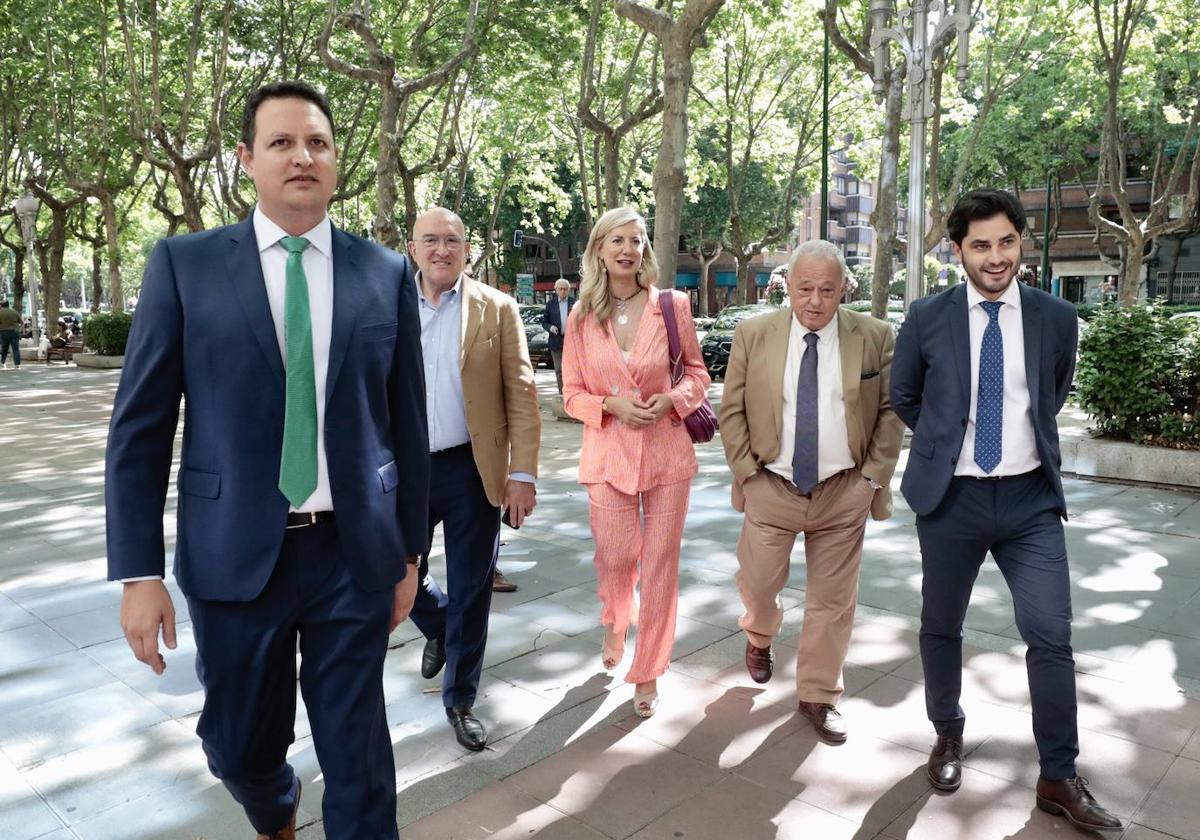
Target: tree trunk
{"points": [[883, 217], [669, 172], [97, 277], [190, 198], [743, 274], [116, 297], [612, 171], [1131, 272], [384, 227]]}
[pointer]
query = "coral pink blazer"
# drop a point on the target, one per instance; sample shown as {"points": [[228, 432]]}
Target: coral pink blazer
{"points": [[633, 460]]}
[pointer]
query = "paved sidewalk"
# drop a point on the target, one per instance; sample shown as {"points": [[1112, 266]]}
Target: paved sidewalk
{"points": [[94, 746]]}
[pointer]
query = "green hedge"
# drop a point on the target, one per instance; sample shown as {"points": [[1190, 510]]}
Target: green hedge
{"points": [[1139, 375], [107, 332], [1088, 311]]}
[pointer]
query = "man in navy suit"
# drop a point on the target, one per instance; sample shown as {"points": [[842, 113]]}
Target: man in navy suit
{"points": [[303, 479], [554, 321], [979, 374]]}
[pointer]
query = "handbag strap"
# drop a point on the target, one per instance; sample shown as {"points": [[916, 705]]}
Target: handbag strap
{"points": [[666, 303]]}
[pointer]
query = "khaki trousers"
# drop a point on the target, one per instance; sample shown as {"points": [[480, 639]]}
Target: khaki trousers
{"points": [[832, 519]]}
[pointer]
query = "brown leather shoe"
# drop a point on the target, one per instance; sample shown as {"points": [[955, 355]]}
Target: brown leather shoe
{"points": [[760, 662], [288, 832], [945, 763], [502, 584], [826, 719], [1071, 798]]}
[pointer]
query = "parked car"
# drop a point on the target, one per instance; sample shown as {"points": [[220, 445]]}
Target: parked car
{"points": [[535, 335], [719, 339]]}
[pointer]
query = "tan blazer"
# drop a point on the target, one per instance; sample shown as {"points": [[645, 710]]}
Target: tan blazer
{"points": [[498, 386], [751, 408]]}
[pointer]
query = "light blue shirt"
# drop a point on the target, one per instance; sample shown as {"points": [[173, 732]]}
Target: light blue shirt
{"points": [[441, 343], [562, 317], [441, 340]]}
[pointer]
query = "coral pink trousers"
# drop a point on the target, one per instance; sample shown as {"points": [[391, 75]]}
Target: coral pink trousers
{"points": [[637, 539]]}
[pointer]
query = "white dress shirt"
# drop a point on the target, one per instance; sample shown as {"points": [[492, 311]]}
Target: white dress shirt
{"points": [[1018, 447], [318, 271], [833, 441]]}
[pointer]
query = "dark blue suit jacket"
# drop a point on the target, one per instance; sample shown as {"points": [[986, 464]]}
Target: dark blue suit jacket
{"points": [[203, 331], [550, 318], [931, 384]]}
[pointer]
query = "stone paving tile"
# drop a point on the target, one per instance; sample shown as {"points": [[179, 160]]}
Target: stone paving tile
{"points": [[1192, 750], [50, 678], [738, 808], [26, 645], [615, 781], [24, 815], [95, 716], [1140, 832], [1173, 807], [1152, 714], [13, 615], [177, 691], [836, 779], [998, 678], [89, 628], [500, 811]]}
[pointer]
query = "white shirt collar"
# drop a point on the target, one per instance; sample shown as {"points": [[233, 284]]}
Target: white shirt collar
{"points": [[1011, 296], [455, 289], [268, 233], [824, 335]]}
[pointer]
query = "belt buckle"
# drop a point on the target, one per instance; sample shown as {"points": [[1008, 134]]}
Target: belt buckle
{"points": [[312, 520]]}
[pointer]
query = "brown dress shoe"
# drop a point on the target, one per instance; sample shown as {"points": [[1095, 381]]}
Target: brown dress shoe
{"points": [[1071, 798], [760, 662], [826, 719], [288, 832], [502, 584], [945, 762]]}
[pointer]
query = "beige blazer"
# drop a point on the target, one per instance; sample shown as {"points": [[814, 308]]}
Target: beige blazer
{"points": [[752, 405], [498, 386]]}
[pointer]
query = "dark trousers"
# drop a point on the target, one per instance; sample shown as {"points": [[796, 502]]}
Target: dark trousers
{"points": [[459, 615], [12, 339], [1015, 519], [246, 660]]}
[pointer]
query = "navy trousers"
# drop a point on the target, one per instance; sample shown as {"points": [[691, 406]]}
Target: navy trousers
{"points": [[459, 614], [1015, 519], [246, 660]]}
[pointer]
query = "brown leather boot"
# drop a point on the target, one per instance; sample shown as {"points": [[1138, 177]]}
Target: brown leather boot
{"points": [[1071, 798]]}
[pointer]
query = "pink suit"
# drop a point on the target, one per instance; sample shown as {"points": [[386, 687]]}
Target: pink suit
{"points": [[624, 468]]}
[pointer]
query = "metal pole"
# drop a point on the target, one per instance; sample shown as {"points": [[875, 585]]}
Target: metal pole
{"points": [[825, 140], [918, 92], [1044, 274]]}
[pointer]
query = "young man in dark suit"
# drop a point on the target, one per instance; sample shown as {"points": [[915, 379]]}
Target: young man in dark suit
{"points": [[303, 480], [980, 373]]}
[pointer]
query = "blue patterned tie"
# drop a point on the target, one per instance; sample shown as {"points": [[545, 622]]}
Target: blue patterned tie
{"points": [[989, 409], [804, 457]]}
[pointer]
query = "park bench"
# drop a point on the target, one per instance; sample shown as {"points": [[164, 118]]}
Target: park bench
{"points": [[75, 345]]}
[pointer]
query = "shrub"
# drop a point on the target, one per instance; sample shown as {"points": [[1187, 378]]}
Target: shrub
{"points": [[107, 332], [1139, 375]]}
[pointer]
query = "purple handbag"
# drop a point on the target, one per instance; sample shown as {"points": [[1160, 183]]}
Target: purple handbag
{"points": [[702, 423]]}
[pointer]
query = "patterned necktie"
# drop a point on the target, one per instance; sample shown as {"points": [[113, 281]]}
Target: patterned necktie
{"points": [[989, 408], [804, 456], [298, 461]]}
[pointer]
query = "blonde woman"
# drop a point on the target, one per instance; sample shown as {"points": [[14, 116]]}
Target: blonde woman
{"points": [[637, 460]]}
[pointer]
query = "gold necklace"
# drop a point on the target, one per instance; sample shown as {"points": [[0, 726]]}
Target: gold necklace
{"points": [[622, 303]]}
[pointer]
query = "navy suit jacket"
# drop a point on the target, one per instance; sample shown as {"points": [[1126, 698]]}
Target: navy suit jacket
{"points": [[931, 385], [550, 319], [203, 331]]}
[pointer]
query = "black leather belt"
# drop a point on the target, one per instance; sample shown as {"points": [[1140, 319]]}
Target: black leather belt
{"points": [[303, 520], [1033, 471]]}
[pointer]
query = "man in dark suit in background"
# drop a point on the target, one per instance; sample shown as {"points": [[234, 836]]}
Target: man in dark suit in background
{"points": [[303, 482], [555, 322], [980, 373]]}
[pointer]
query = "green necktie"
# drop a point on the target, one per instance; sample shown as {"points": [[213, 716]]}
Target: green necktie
{"points": [[298, 462]]}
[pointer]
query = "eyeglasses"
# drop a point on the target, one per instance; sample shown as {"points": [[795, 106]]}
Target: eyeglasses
{"points": [[450, 242]]}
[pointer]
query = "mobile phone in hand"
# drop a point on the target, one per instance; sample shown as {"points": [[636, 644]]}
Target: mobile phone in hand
{"points": [[507, 521]]}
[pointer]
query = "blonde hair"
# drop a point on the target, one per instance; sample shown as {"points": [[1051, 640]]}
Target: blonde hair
{"points": [[595, 298]]}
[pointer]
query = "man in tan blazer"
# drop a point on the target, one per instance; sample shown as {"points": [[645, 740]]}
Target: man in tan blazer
{"points": [[484, 433], [812, 441]]}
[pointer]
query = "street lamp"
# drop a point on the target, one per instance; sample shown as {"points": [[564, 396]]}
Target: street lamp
{"points": [[27, 210], [913, 38]]}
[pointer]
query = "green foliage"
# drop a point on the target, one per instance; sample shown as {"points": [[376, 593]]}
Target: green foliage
{"points": [[106, 333], [1139, 374]]}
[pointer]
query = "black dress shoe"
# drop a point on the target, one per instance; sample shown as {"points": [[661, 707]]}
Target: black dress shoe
{"points": [[826, 719], [467, 728], [433, 658], [1071, 798], [760, 662], [945, 762]]}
